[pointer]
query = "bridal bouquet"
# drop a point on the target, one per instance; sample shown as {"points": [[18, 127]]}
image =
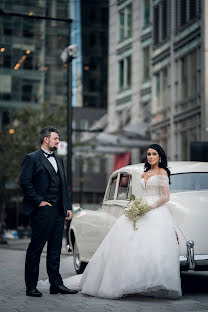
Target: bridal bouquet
{"points": [[137, 208]]}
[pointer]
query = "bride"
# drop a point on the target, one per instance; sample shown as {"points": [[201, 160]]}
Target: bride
{"points": [[145, 261]]}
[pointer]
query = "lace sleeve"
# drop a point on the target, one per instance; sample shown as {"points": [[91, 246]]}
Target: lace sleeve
{"points": [[164, 192]]}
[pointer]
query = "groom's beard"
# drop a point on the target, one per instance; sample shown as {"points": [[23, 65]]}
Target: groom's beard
{"points": [[52, 149]]}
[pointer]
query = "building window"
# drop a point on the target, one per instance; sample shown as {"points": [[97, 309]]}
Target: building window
{"points": [[30, 91], [187, 11], [192, 9], [183, 12], [146, 61], [96, 165], [189, 75], [84, 164], [73, 164], [104, 15], [28, 62], [161, 22], [146, 13], [92, 13], [92, 85], [164, 9], [84, 124], [193, 72], [74, 131], [189, 132], [7, 26], [5, 119], [28, 28], [125, 73], [146, 112], [156, 24], [161, 89], [92, 40], [157, 89], [164, 87], [27, 93], [5, 87], [125, 23], [5, 60], [184, 77]]}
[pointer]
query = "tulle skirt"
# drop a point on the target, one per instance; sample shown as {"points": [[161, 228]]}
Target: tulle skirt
{"points": [[145, 261]]}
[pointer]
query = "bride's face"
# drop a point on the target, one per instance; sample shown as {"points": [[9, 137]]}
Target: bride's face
{"points": [[152, 156]]}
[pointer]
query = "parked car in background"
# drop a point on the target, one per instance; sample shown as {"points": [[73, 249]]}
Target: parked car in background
{"points": [[188, 206]]}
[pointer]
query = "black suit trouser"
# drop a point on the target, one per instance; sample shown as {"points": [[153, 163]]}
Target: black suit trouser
{"points": [[47, 224]]}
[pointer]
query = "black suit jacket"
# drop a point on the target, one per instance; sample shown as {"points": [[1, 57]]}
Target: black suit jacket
{"points": [[35, 179]]}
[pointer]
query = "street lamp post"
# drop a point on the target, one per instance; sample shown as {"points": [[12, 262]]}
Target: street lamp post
{"points": [[67, 56], [69, 130]]}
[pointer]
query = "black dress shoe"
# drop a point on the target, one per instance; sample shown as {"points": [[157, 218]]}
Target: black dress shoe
{"points": [[61, 289], [33, 292]]}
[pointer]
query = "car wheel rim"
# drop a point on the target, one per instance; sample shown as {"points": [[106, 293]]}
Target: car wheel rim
{"points": [[77, 261]]}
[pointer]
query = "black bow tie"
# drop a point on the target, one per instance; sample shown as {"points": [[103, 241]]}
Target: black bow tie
{"points": [[49, 155]]}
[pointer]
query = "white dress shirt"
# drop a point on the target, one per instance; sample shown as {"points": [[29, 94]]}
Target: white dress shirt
{"points": [[51, 159]]}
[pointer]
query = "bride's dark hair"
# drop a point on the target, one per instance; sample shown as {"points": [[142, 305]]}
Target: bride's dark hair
{"points": [[163, 163]]}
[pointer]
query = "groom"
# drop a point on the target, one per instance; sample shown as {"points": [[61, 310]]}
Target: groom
{"points": [[47, 202]]}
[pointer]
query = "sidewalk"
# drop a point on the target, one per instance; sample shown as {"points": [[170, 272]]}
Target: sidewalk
{"points": [[22, 244], [13, 298]]}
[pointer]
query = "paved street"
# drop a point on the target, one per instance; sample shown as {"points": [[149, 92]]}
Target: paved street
{"points": [[12, 290]]}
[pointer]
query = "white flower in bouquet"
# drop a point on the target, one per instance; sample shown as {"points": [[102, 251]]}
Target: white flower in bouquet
{"points": [[137, 208]]}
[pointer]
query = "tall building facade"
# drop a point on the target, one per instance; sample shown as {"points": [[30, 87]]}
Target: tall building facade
{"points": [[31, 71], [89, 79], [94, 29], [33, 74], [158, 69]]}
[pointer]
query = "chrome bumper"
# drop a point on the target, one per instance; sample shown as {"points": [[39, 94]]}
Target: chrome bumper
{"points": [[192, 261]]}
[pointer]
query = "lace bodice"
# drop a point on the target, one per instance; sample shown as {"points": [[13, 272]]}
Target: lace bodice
{"points": [[156, 189]]}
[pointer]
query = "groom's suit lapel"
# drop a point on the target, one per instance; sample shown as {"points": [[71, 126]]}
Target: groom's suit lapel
{"points": [[50, 168], [60, 168], [46, 163]]}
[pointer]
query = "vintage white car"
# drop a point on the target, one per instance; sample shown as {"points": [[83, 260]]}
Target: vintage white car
{"points": [[188, 205]]}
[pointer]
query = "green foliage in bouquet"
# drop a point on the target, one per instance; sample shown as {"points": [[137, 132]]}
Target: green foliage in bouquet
{"points": [[137, 208]]}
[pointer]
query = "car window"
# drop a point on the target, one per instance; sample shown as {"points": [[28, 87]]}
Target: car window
{"points": [[124, 189], [112, 187], [182, 182]]}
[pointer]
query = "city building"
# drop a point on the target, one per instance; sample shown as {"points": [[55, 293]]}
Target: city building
{"points": [[158, 72], [89, 31], [89, 172], [31, 71], [33, 74]]}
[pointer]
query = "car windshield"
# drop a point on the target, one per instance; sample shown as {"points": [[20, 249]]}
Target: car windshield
{"points": [[183, 182]]}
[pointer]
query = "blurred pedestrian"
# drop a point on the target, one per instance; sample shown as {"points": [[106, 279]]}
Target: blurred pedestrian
{"points": [[47, 202]]}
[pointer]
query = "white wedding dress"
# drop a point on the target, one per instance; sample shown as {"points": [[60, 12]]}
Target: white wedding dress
{"points": [[145, 261]]}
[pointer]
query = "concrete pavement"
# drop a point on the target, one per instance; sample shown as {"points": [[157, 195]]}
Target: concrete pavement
{"points": [[12, 290]]}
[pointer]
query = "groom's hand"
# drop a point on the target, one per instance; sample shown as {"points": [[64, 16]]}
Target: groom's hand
{"points": [[69, 215], [44, 203]]}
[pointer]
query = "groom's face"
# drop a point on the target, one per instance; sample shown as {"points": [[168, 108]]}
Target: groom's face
{"points": [[53, 141]]}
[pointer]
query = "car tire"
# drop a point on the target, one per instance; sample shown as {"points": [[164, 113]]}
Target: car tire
{"points": [[78, 264]]}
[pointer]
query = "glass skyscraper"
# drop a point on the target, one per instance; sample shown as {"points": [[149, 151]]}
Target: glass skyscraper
{"points": [[31, 71]]}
